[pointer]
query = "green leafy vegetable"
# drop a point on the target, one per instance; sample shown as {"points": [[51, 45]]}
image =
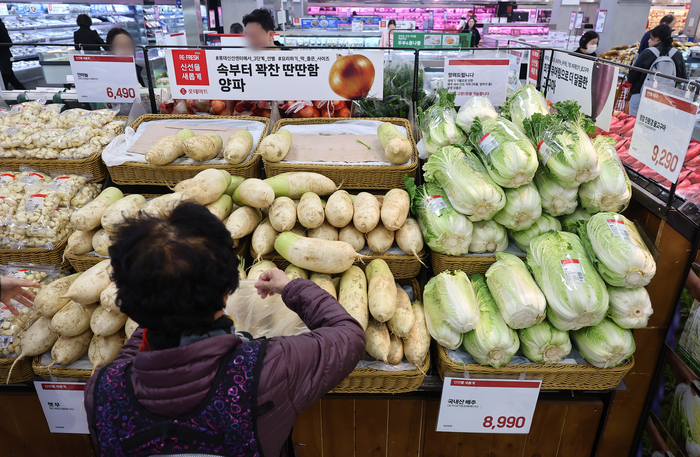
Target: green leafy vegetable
{"points": [[543, 224], [611, 190], [456, 300], [488, 236], [629, 308], [437, 124], [556, 200], [569, 222], [523, 104], [543, 343], [523, 207], [435, 321], [604, 345]]}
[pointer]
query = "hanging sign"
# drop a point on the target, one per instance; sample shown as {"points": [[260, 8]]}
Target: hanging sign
{"points": [[472, 77], [572, 21], [592, 84], [600, 20], [487, 405], [533, 66], [104, 79], [662, 132], [62, 403], [246, 74], [357, 26], [579, 19], [426, 41]]}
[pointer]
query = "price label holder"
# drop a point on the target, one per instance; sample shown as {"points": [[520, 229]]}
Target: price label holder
{"points": [[63, 407], [662, 132], [487, 405], [104, 79]]}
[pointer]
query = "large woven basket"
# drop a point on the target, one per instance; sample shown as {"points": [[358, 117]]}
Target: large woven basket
{"points": [[37, 255], [20, 373], [58, 371], [351, 176], [371, 381], [83, 262], [469, 264], [554, 377], [138, 173], [401, 266]]}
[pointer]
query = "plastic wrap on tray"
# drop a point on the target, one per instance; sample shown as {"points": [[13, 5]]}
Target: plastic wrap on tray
{"points": [[66, 119]]}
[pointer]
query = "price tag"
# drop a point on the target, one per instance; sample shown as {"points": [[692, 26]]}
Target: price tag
{"points": [[662, 132], [488, 143], [357, 26], [572, 271], [487, 405], [617, 227], [472, 77], [436, 204], [545, 152], [104, 79], [62, 403]]}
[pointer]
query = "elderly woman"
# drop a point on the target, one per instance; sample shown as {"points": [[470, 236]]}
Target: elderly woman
{"points": [[186, 382]]}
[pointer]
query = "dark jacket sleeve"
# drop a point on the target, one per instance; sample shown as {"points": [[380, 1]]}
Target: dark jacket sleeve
{"points": [[317, 361], [100, 42], [680, 65], [4, 35], [128, 352], [476, 38], [636, 78], [644, 43]]}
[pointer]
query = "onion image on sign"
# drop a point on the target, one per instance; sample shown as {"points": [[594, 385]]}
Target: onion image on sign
{"points": [[352, 76]]}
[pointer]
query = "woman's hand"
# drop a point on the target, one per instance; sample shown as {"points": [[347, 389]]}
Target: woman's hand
{"points": [[11, 289], [271, 282]]}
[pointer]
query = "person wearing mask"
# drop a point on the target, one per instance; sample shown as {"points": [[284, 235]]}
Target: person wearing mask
{"points": [[236, 28], [660, 44], [470, 27], [186, 381], [260, 29], [8, 74], [669, 20], [85, 38], [387, 39], [588, 44], [462, 22], [120, 42]]}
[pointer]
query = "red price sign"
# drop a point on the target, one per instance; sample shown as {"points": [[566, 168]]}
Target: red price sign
{"points": [[121, 92], [504, 422], [664, 158]]}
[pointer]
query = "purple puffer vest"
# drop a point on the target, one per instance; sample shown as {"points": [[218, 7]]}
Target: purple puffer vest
{"points": [[224, 424]]}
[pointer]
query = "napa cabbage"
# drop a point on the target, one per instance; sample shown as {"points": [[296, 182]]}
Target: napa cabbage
{"points": [[618, 250], [475, 107], [492, 342], [685, 416], [456, 300], [524, 104], [611, 190], [575, 292], [438, 124], [444, 229], [508, 155], [604, 345], [520, 301], [556, 199], [629, 308], [488, 236], [544, 343], [435, 321], [523, 207], [569, 223], [466, 182], [543, 224]]}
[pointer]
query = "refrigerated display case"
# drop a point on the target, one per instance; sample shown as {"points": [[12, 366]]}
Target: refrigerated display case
{"points": [[330, 38], [656, 13], [166, 18]]}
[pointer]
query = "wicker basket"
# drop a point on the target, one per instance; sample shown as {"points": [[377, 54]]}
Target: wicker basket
{"points": [[58, 371], [37, 255], [138, 173], [20, 373], [351, 176], [371, 381], [469, 264], [401, 266], [83, 262], [554, 377]]}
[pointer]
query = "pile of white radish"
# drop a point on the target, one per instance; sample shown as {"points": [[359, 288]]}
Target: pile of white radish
{"points": [[326, 235], [394, 328], [78, 315]]}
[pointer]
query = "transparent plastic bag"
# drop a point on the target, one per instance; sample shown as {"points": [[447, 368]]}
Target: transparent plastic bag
{"points": [[113, 127], [75, 136], [80, 152], [43, 153], [260, 317], [27, 177], [47, 138], [97, 118], [23, 137], [6, 178], [57, 226], [66, 119], [67, 185], [86, 195], [11, 327], [8, 207], [43, 274], [35, 211], [438, 124], [49, 112]]}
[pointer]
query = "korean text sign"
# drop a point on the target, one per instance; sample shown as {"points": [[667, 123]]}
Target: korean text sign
{"points": [[487, 405], [591, 84], [472, 77], [104, 79], [63, 407], [245, 74], [662, 132]]}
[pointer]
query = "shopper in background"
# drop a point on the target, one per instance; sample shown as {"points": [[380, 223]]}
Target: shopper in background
{"points": [[236, 28], [86, 38], [186, 381], [470, 27], [387, 39], [655, 58], [260, 29], [120, 42], [462, 22], [8, 74], [588, 44], [669, 20]]}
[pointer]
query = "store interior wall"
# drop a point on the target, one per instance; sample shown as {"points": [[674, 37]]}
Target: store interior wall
{"points": [[625, 23], [233, 11]]}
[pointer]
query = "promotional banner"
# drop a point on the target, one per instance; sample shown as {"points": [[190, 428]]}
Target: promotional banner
{"points": [[487, 405], [245, 74], [104, 79], [533, 67], [472, 77], [313, 23], [427, 41], [662, 133], [591, 84], [63, 407]]}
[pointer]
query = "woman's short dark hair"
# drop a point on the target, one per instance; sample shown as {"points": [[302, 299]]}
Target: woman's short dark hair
{"points": [[663, 33], [83, 20], [173, 273], [117, 31], [262, 17], [667, 19], [391, 22], [587, 38]]}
